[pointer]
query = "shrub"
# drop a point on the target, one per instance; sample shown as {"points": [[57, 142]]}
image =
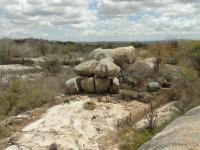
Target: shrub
{"points": [[89, 105], [21, 96], [52, 65], [133, 139], [72, 62], [196, 57], [151, 119]]}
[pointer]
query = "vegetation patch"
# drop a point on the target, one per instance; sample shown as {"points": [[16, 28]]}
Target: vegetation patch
{"points": [[52, 65], [89, 105], [132, 139]]}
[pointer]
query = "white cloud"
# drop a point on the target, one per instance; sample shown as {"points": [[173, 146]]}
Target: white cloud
{"points": [[100, 19]]}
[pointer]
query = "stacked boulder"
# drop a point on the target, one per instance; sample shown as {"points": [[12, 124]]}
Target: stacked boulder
{"points": [[95, 77], [125, 54]]}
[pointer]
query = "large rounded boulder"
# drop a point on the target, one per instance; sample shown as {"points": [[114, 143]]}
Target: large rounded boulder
{"points": [[88, 85], [119, 55], [73, 85], [181, 134], [106, 68], [142, 67], [86, 68], [102, 85]]}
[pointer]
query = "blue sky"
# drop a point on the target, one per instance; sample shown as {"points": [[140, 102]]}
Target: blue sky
{"points": [[100, 20]]}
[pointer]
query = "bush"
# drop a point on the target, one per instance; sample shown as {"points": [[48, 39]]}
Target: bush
{"points": [[133, 139], [21, 96], [72, 62], [196, 57], [52, 65], [89, 105]]}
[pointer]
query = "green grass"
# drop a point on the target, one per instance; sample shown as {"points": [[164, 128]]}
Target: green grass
{"points": [[132, 139]]}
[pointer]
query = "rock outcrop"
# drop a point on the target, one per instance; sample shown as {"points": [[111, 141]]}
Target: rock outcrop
{"points": [[102, 85], [70, 126], [143, 67], [106, 68], [164, 114], [88, 85], [96, 77], [73, 85], [86, 68], [128, 54], [182, 134]]}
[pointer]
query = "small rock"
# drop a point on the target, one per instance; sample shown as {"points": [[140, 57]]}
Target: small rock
{"points": [[153, 87], [172, 61]]}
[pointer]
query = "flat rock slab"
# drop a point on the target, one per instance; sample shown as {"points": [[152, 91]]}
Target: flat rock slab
{"points": [[17, 69], [73, 127]]}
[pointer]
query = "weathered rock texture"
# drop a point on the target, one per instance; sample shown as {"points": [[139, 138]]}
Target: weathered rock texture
{"points": [[70, 126], [181, 134], [96, 77], [73, 85], [142, 67], [88, 85], [153, 87], [106, 68], [86, 68], [114, 85], [164, 114], [102, 85], [118, 54]]}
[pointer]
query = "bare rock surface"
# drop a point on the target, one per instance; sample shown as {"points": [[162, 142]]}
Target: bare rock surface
{"points": [[106, 68], [182, 134], [102, 85], [118, 54], [164, 114], [70, 126], [143, 67], [86, 68], [88, 85], [73, 85]]}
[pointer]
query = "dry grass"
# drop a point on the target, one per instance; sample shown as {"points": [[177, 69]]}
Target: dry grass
{"points": [[89, 105], [21, 95]]}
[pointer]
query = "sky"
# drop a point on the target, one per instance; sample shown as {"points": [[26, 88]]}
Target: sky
{"points": [[100, 20]]}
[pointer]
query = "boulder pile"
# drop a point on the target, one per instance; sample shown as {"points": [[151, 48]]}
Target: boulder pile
{"points": [[95, 77]]}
